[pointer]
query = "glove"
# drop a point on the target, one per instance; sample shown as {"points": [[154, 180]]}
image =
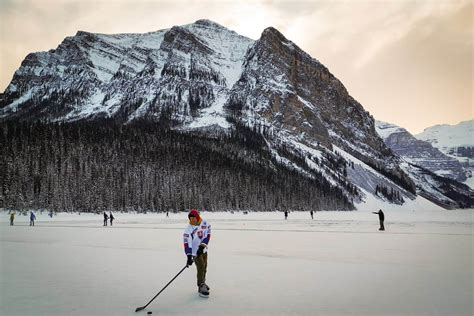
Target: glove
{"points": [[200, 250], [190, 261]]}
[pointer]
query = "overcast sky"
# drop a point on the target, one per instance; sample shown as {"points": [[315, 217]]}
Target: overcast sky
{"points": [[407, 62]]}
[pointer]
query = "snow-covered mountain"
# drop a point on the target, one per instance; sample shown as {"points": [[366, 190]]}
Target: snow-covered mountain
{"points": [[202, 77], [419, 152], [455, 141], [446, 137], [426, 165], [169, 74]]}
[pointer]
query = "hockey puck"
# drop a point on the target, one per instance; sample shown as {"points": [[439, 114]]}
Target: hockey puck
{"points": [[150, 312]]}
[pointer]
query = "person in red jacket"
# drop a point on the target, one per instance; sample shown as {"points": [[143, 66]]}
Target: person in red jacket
{"points": [[196, 238]]}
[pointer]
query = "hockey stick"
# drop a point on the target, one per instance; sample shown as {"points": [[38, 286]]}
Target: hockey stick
{"points": [[143, 307]]}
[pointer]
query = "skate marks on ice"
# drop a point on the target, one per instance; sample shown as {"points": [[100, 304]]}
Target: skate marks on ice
{"points": [[393, 228]]}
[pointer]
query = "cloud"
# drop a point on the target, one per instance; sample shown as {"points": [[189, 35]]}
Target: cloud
{"points": [[421, 79], [370, 25]]}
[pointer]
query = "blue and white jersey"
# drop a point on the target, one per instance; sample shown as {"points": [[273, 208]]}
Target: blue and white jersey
{"points": [[196, 235]]}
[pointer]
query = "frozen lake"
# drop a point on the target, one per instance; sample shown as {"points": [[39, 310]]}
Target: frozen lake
{"points": [[259, 264]]}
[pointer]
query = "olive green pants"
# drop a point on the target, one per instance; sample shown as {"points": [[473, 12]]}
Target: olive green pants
{"points": [[201, 267]]}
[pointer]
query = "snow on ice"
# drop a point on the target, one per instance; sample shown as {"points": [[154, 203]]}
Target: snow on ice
{"points": [[259, 264]]}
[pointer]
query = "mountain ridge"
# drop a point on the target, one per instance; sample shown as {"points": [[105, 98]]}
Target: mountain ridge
{"points": [[438, 177], [202, 76], [455, 141]]}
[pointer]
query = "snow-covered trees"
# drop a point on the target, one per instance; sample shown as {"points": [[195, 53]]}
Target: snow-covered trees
{"points": [[93, 167]]}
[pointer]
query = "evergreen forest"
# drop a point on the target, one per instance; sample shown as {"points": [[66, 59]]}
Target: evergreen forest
{"points": [[104, 166]]}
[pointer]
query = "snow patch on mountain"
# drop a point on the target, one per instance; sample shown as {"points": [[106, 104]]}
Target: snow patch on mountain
{"points": [[307, 103], [449, 136], [230, 47], [104, 67], [152, 40], [310, 155], [385, 129], [367, 178], [92, 106], [373, 203], [13, 107], [213, 115]]}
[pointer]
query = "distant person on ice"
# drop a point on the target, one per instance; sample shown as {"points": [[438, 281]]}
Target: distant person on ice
{"points": [[105, 219], [196, 238], [381, 219], [311, 213], [111, 218], [286, 214], [12, 218], [32, 218]]}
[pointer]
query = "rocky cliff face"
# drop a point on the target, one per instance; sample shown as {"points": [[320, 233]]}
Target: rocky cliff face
{"points": [[293, 92]]}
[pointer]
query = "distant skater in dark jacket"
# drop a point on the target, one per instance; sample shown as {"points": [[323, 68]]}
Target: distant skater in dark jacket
{"points": [[111, 216], [32, 219], [106, 217], [381, 219]]}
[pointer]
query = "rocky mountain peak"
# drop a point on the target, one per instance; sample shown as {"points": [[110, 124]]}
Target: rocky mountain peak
{"points": [[181, 39], [85, 35], [209, 23], [272, 33]]}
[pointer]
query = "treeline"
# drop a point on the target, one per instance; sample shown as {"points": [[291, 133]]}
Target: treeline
{"points": [[462, 151], [391, 195], [102, 166], [458, 192]]}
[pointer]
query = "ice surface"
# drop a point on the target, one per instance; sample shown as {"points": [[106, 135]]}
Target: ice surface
{"points": [[259, 264]]}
